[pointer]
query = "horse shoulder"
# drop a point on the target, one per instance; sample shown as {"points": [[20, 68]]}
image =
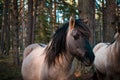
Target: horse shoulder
{"points": [[100, 52], [113, 59]]}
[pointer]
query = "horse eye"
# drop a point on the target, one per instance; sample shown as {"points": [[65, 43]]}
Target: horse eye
{"points": [[75, 34], [76, 37]]}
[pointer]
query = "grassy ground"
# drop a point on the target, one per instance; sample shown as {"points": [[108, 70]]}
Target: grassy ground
{"points": [[8, 71]]}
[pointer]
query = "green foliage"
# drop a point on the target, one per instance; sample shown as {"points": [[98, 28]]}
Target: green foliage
{"points": [[43, 28], [45, 21], [67, 10]]}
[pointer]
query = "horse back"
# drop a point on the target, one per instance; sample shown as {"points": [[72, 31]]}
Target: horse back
{"points": [[28, 49], [98, 46]]}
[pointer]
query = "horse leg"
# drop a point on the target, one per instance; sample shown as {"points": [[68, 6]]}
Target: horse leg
{"points": [[94, 77], [108, 77], [100, 76]]}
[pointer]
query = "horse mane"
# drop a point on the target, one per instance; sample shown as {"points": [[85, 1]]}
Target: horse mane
{"points": [[57, 44]]}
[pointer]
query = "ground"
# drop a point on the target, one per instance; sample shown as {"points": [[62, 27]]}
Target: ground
{"points": [[8, 71]]}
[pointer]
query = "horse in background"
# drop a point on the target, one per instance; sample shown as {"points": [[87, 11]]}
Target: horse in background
{"points": [[54, 61], [107, 59]]}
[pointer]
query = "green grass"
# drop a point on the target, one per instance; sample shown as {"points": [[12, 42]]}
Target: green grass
{"points": [[8, 71]]}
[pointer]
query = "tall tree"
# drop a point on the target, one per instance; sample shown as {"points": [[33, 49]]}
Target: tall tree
{"points": [[110, 12], [1, 27], [2, 43], [5, 35], [54, 15], [16, 28], [22, 19], [87, 11], [34, 16], [30, 28]]}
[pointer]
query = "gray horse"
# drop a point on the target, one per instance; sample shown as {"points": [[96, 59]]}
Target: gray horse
{"points": [[54, 61], [107, 59]]}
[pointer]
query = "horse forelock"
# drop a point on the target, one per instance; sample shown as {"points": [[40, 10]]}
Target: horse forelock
{"points": [[83, 28]]}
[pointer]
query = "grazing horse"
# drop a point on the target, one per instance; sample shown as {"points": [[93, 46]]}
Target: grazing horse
{"points": [[54, 61], [107, 59]]}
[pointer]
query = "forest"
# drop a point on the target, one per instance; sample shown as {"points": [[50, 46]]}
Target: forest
{"points": [[23, 22]]}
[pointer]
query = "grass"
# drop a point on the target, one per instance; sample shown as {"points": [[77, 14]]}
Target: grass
{"points": [[8, 71]]}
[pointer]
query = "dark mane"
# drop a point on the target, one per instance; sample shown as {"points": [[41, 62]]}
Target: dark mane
{"points": [[83, 28], [58, 42]]}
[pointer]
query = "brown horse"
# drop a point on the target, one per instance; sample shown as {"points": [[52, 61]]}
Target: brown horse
{"points": [[107, 59], [54, 61]]}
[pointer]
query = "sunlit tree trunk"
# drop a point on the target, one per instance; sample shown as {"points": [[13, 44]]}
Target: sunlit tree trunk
{"points": [[54, 15], [41, 22], [22, 18], [34, 16], [52, 18]]}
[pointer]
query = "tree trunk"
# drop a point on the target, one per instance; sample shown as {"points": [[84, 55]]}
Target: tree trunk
{"points": [[16, 60], [104, 21], [54, 15], [110, 12], [5, 34], [87, 11], [30, 28], [34, 16], [7, 25], [2, 31], [22, 17]]}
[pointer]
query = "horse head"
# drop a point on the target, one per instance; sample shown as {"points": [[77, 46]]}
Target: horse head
{"points": [[78, 41]]}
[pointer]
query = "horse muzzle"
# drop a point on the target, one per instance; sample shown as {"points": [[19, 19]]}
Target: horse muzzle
{"points": [[88, 59]]}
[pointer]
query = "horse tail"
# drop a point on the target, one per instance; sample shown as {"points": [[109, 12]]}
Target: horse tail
{"points": [[28, 49], [98, 46]]}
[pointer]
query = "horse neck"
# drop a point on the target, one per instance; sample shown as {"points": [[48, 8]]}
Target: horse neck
{"points": [[117, 46], [116, 49], [63, 65], [64, 60]]}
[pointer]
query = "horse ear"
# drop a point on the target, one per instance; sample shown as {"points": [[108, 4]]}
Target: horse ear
{"points": [[71, 23], [116, 35]]}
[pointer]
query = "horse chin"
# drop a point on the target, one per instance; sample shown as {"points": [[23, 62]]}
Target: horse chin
{"points": [[86, 62]]}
